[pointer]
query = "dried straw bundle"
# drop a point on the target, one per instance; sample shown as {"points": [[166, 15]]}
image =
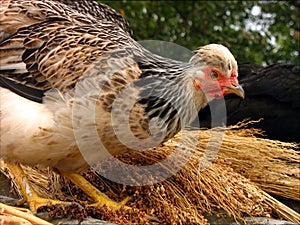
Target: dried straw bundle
{"points": [[272, 165], [184, 197]]}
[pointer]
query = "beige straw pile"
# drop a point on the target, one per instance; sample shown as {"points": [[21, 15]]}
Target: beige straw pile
{"points": [[245, 169]]}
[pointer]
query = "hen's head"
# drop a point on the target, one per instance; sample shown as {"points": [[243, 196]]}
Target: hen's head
{"points": [[218, 72]]}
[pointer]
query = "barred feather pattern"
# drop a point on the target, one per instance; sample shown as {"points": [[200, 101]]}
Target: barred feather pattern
{"points": [[80, 55]]}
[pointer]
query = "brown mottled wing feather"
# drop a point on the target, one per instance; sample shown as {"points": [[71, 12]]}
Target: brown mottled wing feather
{"points": [[98, 11], [56, 51], [15, 14]]}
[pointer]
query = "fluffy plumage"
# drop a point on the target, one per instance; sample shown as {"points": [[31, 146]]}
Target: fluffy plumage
{"points": [[61, 63]]}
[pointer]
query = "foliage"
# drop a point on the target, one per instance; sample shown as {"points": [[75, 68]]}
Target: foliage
{"points": [[262, 32]]}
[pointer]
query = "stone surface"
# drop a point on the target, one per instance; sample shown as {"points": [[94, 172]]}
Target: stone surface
{"points": [[8, 200], [264, 221], [85, 222]]}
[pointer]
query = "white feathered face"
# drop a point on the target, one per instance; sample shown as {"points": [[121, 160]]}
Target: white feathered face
{"points": [[218, 75]]}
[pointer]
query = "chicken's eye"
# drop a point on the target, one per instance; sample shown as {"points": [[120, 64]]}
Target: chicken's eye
{"points": [[229, 67], [214, 75]]}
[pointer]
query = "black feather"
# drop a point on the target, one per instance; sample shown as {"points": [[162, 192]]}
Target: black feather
{"points": [[22, 90]]}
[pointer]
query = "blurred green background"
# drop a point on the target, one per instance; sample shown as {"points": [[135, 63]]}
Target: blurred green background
{"points": [[263, 32]]}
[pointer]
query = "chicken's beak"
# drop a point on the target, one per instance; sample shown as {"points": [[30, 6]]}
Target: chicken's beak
{"points": [[235, 89]]}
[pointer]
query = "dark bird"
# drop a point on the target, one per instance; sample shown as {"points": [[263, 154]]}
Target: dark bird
{"points": [[72, 75], [272, 95]]}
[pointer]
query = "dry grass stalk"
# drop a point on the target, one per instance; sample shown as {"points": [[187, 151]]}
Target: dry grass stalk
{"points": [[272, 165], [184, 197], [12, 215], [283, 210]]}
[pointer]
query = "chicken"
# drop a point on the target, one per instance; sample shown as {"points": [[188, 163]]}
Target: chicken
{"points": [[273, 96], [76, 89]]}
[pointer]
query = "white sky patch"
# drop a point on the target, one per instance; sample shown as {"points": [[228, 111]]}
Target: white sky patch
{"points": [[272, 41], [259, 21], [256, 10], [235, 27], [144, 10], [218, 28]]}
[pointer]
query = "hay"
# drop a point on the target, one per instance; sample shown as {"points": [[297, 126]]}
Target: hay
{"points": [[43, 180], [272, 165], [186, 196]]}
